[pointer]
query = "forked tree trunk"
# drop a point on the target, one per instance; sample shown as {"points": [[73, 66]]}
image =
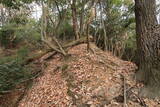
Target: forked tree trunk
{"points": [[148, 44]]}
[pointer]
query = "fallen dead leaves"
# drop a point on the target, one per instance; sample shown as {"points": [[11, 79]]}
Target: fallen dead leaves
{"points": [[84, 79]]}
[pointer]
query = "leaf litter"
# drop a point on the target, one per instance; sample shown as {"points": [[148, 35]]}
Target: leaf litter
{"points": [[86, 79]]}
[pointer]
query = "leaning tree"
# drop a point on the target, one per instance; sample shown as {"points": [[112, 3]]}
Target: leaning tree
{"points": [[148, 44]]}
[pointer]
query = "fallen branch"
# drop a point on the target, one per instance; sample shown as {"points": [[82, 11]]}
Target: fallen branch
{"points": [[53, 47], [36, 57], [47, 56], [50, 52], [77, 42], [141, 101], [106, 64], [124, 91], [69, 45], [60, 47]]}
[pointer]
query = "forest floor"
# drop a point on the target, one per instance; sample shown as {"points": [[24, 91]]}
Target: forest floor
{"points": [[86, 79]]}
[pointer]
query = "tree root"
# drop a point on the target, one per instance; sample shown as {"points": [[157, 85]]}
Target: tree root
{"points": [[150, 92]]}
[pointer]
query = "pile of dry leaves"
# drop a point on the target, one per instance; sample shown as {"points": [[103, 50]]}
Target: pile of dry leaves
{"points": [[82, 79]]}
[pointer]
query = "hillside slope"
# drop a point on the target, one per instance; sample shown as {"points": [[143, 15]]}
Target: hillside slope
{"points": [[84, 79]]}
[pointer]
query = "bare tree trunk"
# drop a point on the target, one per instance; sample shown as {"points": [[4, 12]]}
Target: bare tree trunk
{"points": [[2, 15], [44, 35], [42, 21], [88, 42], [148, 44], [104, 28], [74, 18], [82, 20]]}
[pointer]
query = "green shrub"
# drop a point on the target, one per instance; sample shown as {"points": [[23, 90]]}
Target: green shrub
{"points": [[20, 56], [22, 53], [66, 31], [131, 48], [13, 34], [12, 74], [7, 36], [7, 59]]}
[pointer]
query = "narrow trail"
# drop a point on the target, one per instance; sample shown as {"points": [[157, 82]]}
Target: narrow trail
{"points": [[84, 80]]}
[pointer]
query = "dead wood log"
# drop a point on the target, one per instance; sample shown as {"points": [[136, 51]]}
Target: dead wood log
{"points": [[60, 46], [50, 52], [68, 45], [54, 48], [35, 57], [124, 91], [77, 42], [47, 56]]}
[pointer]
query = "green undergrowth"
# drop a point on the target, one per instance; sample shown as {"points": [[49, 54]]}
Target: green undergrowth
{"points": [[12, 70], [12, 74]]}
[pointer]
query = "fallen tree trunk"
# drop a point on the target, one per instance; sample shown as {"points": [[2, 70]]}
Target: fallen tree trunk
{"points": [[69, 45], [36, 57], [77, 42], [54, 50], [60, 46]]}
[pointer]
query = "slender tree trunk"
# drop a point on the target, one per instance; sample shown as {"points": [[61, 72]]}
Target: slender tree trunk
{"points": [[104, 28], [88, 42], [74, 18], [82, 19], [2, 15], [43, 22], [44, 34], [148, 44]]}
